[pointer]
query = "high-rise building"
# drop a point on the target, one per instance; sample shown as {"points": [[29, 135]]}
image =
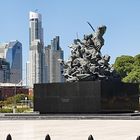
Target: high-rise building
{"points": [[35, 65], [12, 53], [4, 71], [35, 28], [54, 52]]}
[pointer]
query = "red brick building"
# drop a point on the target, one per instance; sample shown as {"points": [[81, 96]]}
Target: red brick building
{"points": [[8, 91]]}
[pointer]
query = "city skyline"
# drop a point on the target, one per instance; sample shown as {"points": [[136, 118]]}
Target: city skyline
{"points": [[68, 18], [43, 65]]}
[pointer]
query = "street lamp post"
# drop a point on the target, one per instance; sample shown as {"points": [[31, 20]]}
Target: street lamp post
{"points": [[14, 106], [15, 90], [26, 101]]}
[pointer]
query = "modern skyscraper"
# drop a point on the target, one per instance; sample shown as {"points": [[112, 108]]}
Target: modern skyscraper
{"points": [[35, 28], [54, 52], [4, 71], [12, 53], [35, 66]]}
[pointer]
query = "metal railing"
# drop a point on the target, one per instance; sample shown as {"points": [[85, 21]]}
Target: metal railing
{"points": [[9, 137]]}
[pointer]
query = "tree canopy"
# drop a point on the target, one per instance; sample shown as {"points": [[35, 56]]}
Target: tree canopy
{"points": [[128, 67]]}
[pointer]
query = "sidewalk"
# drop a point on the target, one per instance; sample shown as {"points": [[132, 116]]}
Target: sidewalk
{"points": [[70, 129]]}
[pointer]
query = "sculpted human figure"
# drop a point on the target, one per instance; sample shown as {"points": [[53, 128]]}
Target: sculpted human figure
{"points": [[98, 37], [76, 49], [86, 61]]}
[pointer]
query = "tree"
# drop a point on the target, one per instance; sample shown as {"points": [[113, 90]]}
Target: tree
{"points": [[1, 104], [124, 65], [17, 98], [129, 68], [20, 97], [133, 77], [137, 60]]}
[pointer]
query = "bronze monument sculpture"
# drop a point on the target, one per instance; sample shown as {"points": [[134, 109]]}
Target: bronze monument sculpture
{"points": [[92, 84], [86, 62]]}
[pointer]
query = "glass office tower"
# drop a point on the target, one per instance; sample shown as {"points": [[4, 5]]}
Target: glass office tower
{"points": [[12, 53]]}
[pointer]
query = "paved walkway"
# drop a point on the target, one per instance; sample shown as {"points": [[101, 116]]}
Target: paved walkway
{"points": [[35, 116], [70, 129]]}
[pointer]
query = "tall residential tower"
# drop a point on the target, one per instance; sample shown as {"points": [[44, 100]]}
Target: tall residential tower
{"points": [[52, 53], [35, 66]]}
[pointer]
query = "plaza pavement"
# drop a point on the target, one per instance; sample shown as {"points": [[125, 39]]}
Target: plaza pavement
{"points": [[70, 129]]}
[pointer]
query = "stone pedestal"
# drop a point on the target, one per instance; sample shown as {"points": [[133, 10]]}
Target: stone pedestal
{"points": [[86, 97]]}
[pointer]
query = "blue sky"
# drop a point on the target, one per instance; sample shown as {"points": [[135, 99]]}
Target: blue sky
{"points": [[68, 17]]}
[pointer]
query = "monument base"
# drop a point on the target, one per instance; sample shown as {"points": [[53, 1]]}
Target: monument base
{"points": [[86, 97]]}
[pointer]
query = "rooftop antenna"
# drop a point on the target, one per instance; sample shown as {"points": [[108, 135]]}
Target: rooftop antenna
{"points": [[91, 26]]}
